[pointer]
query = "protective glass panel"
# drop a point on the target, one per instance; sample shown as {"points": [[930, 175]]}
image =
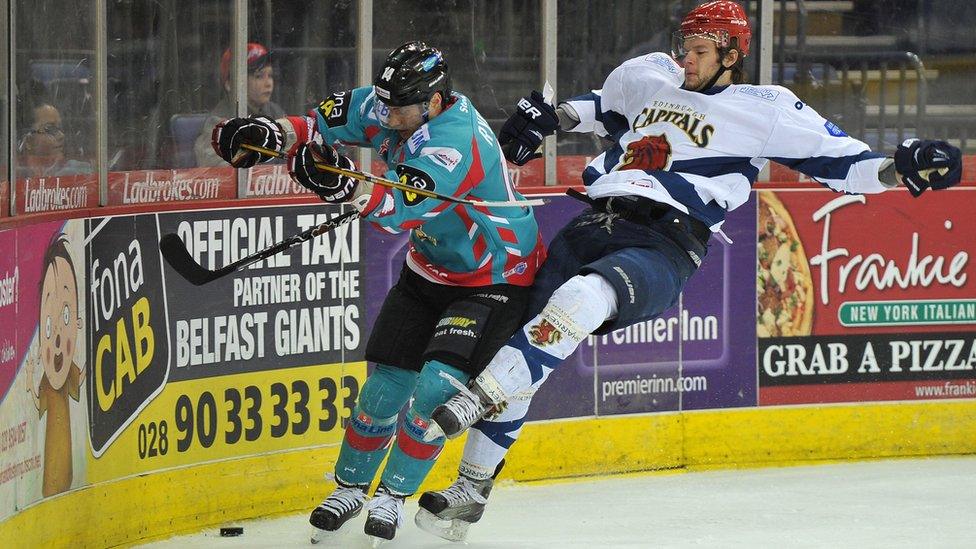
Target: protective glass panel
{"points": [[593, 40], [491, 47], [882, 71], [163, 80], [312, 50], [55, 107]]}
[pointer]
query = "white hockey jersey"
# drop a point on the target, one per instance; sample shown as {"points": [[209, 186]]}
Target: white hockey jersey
{"points": [[701, 152]]}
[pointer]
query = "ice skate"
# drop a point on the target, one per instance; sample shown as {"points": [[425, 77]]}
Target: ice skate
{"points": [[385, 515], [344, 503], [450, 512], [459, 412]]}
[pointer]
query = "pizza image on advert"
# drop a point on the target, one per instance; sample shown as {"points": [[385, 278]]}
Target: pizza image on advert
{"points": [[784, 287]]}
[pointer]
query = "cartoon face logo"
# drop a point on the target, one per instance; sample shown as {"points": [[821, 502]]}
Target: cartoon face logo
{"points": [[652, 152], [544, 333], [58, 327], [59, 322]]}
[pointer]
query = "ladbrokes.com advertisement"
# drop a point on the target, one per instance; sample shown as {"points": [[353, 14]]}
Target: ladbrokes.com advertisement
{"points": [[865, 297]]}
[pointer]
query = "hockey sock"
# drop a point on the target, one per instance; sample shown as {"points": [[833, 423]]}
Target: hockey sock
{"points": [[489, 439], [412, 458], [575, 309], [373, 423]]}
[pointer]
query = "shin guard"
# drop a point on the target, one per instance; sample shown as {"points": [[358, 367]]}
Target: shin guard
{"points": [[373, 422], [411, 457]]}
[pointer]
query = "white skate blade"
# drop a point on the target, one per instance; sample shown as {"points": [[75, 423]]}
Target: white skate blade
{"points": [[376, 541], [319, 535], [451, 530], [433, 432]]}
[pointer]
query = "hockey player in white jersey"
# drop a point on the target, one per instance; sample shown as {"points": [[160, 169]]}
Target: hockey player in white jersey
{"points": [[689, 141]]}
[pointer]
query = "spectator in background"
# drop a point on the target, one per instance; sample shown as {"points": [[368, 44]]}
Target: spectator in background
{"points": [[40, 150], [260, 85]]}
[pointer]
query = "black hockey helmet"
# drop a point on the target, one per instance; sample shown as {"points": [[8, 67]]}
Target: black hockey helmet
{"points": [[411, 74]]}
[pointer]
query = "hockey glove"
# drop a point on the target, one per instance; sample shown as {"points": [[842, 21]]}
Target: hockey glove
{"points": [[229, 135], [523, 132], [331, 187], [925, 163]]}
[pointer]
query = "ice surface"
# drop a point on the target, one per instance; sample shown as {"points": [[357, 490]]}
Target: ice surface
{"points": [[896, 503]]}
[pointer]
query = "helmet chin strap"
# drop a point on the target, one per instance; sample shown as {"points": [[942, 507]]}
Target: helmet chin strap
{"points": [[711, 81], [718, 74]]}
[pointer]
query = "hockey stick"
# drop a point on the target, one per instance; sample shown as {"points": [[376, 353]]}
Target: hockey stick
{"points": [[363, 176], [176, 254]]}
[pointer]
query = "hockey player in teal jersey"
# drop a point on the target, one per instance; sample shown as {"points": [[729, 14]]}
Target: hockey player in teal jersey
{"points": [[463, 287]]}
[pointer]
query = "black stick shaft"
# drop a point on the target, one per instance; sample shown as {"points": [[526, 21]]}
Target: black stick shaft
{"points": [[307, 234], [176, 254]]}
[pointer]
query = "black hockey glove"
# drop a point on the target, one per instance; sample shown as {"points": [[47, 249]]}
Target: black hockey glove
{"points": [[925, 163], [331, 187], [229, 135], [523, 132]]}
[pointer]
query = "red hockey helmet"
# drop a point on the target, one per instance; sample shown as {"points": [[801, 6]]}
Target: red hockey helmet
{"points": [[722, 21], [257, 57]]}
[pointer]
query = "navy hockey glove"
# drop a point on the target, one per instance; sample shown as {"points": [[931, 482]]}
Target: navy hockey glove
{"points": [[331, 187], [925, 163], [229, 135], [523, 132]]}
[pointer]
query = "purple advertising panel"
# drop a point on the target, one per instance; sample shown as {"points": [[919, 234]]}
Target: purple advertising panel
{"points": [[698, 355]]}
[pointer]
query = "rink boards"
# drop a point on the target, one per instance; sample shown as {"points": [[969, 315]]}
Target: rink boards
{"points": [[229, 400]]}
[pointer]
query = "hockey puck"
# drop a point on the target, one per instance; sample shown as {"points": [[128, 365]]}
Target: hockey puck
{"points": [[231, 531]]}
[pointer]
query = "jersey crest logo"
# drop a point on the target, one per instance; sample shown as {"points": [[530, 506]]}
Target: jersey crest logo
{"points": [[414, 177], [334, 110], [544, 333], [652, 152]]}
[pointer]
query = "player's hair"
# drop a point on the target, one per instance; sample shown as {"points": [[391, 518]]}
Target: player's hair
{"points": [[738, 70], [57, 248]]}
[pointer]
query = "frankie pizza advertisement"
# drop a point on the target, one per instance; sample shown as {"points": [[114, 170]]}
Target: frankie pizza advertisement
{"points": [[833, 263], [865, 297]]}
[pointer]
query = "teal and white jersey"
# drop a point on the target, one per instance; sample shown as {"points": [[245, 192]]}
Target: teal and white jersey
{"points": [[455, 154]]}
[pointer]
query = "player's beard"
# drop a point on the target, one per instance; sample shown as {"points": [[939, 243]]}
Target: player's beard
{"points": [[698, 80]]}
